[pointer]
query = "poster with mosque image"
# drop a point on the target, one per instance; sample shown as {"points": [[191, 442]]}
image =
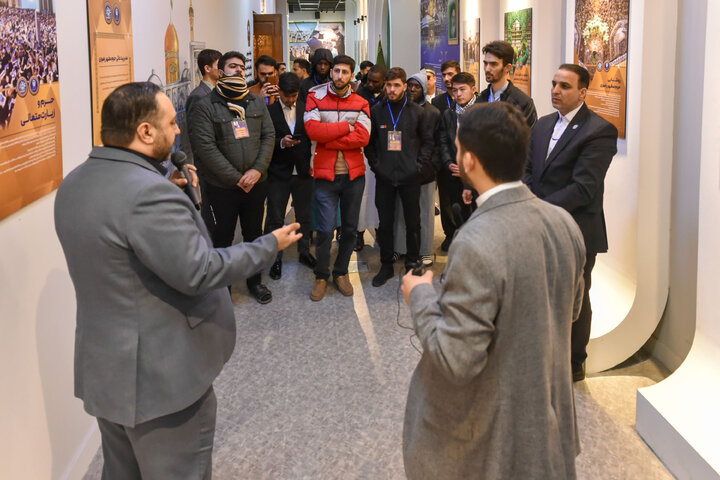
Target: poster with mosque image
{"points": [[435, 34], [601, 46], [518, 33], [30, 135], [471, 48]]}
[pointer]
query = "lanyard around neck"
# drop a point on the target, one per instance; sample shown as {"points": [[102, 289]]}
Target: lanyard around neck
{"points": [[395, 122]]}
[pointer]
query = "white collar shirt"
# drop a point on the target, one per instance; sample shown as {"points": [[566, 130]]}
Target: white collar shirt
{"points": [[562, 123], [496, 189]]}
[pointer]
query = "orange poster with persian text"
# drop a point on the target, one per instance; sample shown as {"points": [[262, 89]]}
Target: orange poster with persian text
{"points": [[111, 52], [30, 139]]}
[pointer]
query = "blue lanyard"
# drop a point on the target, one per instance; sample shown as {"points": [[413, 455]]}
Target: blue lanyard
{"points": [[395, 122], [448, 99]]}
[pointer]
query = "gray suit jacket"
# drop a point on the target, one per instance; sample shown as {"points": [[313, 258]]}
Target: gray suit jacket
{"points": [[492, 396], [155, 323]]}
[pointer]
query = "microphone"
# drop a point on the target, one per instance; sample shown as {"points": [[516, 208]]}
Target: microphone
{"points": [[178, 159]]}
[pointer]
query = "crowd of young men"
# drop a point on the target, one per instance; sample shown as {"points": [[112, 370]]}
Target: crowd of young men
{"points": [[312, 133]]}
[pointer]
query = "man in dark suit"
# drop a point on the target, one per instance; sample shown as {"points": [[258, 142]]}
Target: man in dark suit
{"points": [[570, 152], [289, 170], [444, 100], [155, 323]]}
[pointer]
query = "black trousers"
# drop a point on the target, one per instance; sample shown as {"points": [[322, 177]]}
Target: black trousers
{"points": [[450, 190], [385, 194], [229, 204], [277, 198], [177, 446], [581, 327]]}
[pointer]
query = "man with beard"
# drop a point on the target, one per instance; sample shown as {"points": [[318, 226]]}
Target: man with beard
{"points": [[322, 62], [497, 62], [416, 93], [492, 395], [449, 69], [450, 188], [338, 120], [233, 134], [155, 323], [372, 89], [400, 148], [265, 79]]}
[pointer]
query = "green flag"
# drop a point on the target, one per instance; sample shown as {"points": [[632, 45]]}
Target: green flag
{"points": [[380, 57]]}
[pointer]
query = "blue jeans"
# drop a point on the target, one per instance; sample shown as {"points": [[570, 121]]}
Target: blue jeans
{"points": [[326, 197]]}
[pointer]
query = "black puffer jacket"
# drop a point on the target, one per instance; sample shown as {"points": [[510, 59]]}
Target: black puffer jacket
{"points": [[314, 80], [414, 162]]}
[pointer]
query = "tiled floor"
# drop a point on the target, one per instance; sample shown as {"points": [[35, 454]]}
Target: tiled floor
{"points": [[317, 390]]}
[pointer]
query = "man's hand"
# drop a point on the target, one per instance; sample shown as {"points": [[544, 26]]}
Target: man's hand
{"points": [[178, 179], [287, 235], [248, 181], [269, 90], [288, 141], [467, 196], [454, 169], [352, 126], [410, 281]]}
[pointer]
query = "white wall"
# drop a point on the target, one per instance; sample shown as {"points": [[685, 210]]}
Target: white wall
{"points": [[45, 432]]}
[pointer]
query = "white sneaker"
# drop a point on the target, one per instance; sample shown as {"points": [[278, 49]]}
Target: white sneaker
{"points": [[427, 261]]}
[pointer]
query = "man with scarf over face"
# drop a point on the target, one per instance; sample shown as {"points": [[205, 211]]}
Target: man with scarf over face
{"points": [[234, 136], [322, 62]]}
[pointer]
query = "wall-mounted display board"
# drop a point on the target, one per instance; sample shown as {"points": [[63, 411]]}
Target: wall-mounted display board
{"points": [[601, 46], [471, 49], [436, 43], [30, 137], [518, 33], [306, 37], [111, 52]]}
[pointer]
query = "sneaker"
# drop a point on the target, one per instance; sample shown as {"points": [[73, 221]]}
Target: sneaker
{"points": [[318, 290], [386, 273], [427, 261], [396, 256], [343, 285], [437, 210]]}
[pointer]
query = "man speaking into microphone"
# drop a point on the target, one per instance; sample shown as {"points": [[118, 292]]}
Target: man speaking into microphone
{"points": [[155, 323]]}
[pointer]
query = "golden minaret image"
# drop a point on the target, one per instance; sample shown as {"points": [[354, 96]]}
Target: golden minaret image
{"points": [[172, 62]]}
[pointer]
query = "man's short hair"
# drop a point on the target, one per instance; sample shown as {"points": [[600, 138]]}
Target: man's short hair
{"points": [[464, 78], [227, 56], [289, 83], [502, 50], [497, 133], [304, 64], [206, 58], [344, 60], [450, 64], [584, 76], [125, 109], [379, 69], [395, 73], [266, 60], [365, 64], [281, 63]]}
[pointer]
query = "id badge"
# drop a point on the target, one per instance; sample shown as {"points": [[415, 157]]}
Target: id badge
{"points": [[240, 128], [394, 141]]}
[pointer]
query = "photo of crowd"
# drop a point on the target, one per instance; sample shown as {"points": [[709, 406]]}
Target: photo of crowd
{"points": [[306, 37], [28, 49]]}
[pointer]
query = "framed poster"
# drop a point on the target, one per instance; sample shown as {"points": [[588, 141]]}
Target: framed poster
{"points": [[471, 49], [435, 47], [601, 46], [307, 36], [453, 22], [518, 33], [30, 135], [111, 52]]}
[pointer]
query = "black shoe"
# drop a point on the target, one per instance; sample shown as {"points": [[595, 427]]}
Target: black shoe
{"points": [[578, 374], [261, 293], [308, 260], [276, 270], [445, 246], [437, 210], [359, 241], [338, 234], [386, 273]]}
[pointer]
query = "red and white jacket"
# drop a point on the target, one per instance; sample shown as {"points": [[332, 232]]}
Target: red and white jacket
{"points": [[327, 123]]}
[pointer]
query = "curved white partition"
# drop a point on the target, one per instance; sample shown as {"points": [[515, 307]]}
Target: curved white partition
{"points": [[679, 417]]}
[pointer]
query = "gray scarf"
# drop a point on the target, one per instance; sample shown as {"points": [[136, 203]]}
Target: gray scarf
{"points": [[461, 110]]}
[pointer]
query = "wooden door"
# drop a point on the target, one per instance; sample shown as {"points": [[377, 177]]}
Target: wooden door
{"points": [[268, 39]]}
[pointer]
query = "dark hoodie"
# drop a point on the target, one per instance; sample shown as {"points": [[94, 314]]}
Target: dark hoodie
{"points": [[314, 80]]}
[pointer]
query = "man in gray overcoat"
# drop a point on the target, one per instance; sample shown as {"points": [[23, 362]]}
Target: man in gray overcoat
{"points": [[155, 323], [492, 396]]}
